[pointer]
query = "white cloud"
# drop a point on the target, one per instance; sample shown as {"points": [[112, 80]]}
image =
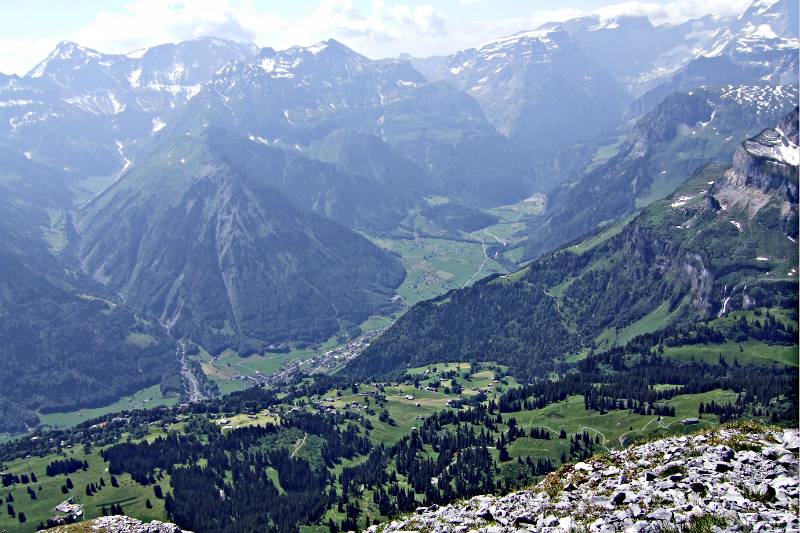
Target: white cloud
{"points": [[147, 22], [18, 56], [379, 29]]}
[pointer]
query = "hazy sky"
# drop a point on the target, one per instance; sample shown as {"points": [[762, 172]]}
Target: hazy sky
{"points": [[376, 28]]}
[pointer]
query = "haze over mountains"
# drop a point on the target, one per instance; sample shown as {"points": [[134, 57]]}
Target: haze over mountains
{"points": [[235, 197], [249, 289]]}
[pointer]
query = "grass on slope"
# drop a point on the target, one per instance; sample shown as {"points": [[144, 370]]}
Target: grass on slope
{"points": [[129, 494], [745, 353], [145, 398], [571, 416], [657, 319]]}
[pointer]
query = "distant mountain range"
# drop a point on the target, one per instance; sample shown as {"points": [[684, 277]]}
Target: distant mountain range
{"points": [[232, 195], [761, 45], [538, 88]]}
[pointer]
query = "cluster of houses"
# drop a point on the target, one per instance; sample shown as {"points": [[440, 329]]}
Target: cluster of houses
{"points": [[327, 361], [70, 511]]}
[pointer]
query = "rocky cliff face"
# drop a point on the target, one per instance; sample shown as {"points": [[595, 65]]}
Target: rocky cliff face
{"points": [[765, 172], [769, 161], [742, 479]]}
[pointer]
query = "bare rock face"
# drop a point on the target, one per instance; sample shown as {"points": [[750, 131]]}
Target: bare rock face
{"points": [[729, 479], [764, 172], [769, 161]]}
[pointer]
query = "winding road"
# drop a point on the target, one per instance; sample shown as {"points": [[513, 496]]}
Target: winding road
{"points": [[300, 445], [483, 263], [486, 231]]}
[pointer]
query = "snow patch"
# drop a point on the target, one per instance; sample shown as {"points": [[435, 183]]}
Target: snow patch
{"points": [[267, 64], [460, 68], [543, 36], [681, 201], [134, 77], [317, 48], [116, 106], [97, 104], [260, 140], [788, 151], [15, 103], [158, 124], [762, 31], [713, 114], [192, 91]]}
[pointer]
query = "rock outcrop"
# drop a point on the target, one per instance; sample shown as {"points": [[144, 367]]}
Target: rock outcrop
{"points": [[732, 479], [119, 524], [764, 167]]}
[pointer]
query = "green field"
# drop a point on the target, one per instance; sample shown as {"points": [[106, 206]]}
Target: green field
{"points": [[145, 398], [658, 318], [571, 416], [745, 353], [435, 266]]}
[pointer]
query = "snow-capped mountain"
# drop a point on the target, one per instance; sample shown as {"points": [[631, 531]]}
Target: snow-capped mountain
{"points": [[659, 52], [765, 37], [85, 112], [538, 87], [88, 113], [150, 78], [278, 94], [761, 46]]}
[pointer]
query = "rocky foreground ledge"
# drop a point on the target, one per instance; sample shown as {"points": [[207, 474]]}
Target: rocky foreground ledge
{"points": [[118, 524], [742, 478]]}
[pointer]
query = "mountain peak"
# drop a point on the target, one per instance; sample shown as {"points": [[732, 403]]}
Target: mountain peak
{"points": [[329, 47], [550, 37], [64, 51], [67, 48], [214, 41], [624, 21]]}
